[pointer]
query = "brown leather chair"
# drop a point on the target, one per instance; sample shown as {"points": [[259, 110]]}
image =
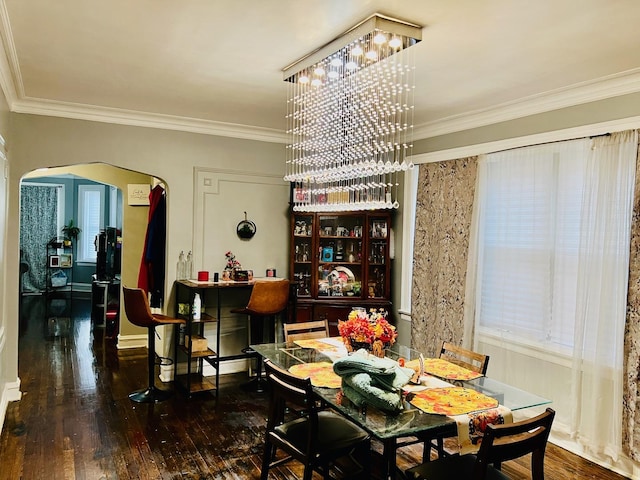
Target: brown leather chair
{"points": [[321, 440], [136, 306], [499, 444], [268, 299]]}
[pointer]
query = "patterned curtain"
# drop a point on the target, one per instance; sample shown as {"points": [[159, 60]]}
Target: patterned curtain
{"points": [[38, 225], [443, 220], [631, 389]]}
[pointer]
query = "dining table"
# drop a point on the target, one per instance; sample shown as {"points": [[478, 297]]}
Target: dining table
{"points": [[392, 429]]}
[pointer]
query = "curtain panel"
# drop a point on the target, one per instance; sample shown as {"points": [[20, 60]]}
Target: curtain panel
{"points": [[443, 217], [38, 225], [631, 369]]}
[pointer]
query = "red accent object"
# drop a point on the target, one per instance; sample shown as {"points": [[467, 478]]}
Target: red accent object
{"points": [[203, 276]]}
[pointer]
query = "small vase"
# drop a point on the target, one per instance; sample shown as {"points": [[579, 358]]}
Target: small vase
{"points": [[378, 348]]}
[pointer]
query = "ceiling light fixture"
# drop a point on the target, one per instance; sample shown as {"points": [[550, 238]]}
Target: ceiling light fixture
{"points": [[351, 129]]}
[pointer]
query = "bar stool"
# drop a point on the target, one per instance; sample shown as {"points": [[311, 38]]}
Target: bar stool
{"points": [[268, 299], [136, 306]]}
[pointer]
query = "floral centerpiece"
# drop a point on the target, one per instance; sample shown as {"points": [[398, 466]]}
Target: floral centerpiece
{"points": [[369, 330]]}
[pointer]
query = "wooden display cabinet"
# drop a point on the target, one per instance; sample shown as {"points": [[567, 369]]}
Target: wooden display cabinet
{"points": [[339, 261]]}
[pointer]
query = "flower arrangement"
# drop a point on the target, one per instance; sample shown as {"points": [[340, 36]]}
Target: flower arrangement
{"points": [[369, 330], [232, 263]]}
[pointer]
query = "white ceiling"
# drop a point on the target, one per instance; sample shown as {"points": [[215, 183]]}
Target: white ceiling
{"points": [[215, 66]]}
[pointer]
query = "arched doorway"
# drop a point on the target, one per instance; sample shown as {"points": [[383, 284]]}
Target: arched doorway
{"points": [[129, 219]]}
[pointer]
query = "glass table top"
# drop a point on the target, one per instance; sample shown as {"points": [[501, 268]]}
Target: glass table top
{"points": [[410, 420]]}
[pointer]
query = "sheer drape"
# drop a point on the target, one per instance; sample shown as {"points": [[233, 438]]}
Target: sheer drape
{"points": [[552, 235], [603, 269], [38, 224]]}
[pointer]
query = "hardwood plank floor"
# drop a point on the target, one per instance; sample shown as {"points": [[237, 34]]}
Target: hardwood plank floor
{"points": [[75, 420]]}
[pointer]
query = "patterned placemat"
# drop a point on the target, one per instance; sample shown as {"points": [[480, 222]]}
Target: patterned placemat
{"points": [[321, 374], [451, 400], [444, 369], [321, 344]]}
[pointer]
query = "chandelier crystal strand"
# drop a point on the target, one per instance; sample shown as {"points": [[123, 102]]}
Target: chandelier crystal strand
{"points": [[350, 116]]}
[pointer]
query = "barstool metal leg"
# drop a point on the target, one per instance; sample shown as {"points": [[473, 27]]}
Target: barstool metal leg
{"points": [[151, 394]]}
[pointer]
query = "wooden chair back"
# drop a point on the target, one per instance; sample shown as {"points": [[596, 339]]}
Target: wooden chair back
{"points": [[513, 440], [317, 438], [306, 330], [476, 362]]}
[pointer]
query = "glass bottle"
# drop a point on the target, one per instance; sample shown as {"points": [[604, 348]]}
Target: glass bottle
{"points": [[188, 269], [180, 268]]}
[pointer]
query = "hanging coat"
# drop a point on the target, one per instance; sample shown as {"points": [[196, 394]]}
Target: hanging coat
{"points": [[152, 265]]}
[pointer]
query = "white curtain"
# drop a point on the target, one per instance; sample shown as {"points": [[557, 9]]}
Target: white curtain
{"points": [[547, 277], [603, 271]]}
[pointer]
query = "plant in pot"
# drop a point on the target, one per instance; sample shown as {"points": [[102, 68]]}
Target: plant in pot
{"points": [[70, 232]]}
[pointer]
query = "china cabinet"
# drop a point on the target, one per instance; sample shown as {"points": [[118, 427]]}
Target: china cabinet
{"points": [[339, 261]]}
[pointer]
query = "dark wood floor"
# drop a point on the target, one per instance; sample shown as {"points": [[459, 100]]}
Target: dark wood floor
{"points": [[75, 420]]}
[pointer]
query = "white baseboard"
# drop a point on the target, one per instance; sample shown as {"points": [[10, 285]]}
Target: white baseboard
{"points": [[10, 393], [132, 341]]}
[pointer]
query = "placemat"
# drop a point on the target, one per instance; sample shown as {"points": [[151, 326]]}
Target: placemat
{"points": [[444, 369], [451, 400], [321, 344], [321, 374]]}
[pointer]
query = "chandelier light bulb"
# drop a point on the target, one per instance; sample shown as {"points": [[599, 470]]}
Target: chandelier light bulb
{"points": [[380, 38], [395, 42]]}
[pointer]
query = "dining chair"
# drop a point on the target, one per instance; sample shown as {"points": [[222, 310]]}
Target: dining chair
{"points": [[268, 299], [474, 361], [322, 440], [306, 330], [499, 444], [136, 307]]}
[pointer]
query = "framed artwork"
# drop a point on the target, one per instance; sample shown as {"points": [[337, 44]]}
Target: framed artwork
{"points": [[66, 260], [54, 261]]}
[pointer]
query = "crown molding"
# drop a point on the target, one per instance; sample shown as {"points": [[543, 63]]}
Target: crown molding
{"points": [[142, 119], [13, 88], [599, 89], [527, 140]]}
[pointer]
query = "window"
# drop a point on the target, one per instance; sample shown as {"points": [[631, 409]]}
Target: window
{"points": [[546, 227], [91, 220]]}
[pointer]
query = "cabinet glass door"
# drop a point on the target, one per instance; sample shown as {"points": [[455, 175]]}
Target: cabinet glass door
{"points": [[378, 257], [340, 255], [302, 253]]}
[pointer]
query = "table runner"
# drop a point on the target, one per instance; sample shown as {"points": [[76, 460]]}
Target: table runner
{"points": [[471, 426]]}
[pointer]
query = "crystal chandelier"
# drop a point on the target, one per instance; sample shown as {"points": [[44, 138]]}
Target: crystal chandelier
{"points": [[350, 118]]}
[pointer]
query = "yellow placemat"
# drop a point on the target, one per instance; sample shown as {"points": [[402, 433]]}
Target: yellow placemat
{"points": [[321, 374], [451, 401], [444, 369], [320, 344]]}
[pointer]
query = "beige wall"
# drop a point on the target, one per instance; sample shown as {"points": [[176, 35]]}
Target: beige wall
{"points": [[9, 387], [171, 156]]}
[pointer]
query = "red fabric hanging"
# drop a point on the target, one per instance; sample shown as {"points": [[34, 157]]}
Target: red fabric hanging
{"points": [[152, 271]]}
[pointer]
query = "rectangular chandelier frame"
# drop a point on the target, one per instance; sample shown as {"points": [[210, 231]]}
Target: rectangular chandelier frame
{"points": [[350, 117]]}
